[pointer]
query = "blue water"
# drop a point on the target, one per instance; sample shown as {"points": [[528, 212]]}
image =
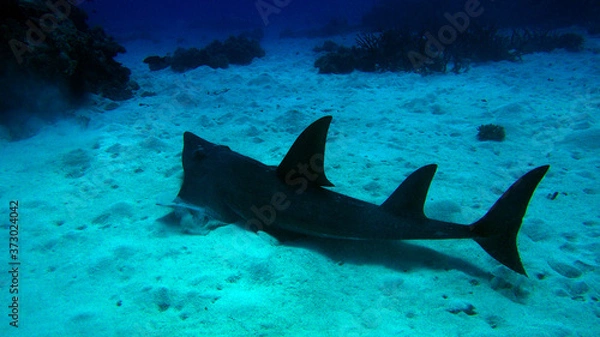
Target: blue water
{"points": [[114, 15], [223, 15]]}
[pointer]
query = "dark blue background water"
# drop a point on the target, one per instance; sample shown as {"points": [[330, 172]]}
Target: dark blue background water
{"points": [[118, 16]]}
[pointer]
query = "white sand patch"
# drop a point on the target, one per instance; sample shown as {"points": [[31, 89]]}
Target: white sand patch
{"points": [[97, 261]]}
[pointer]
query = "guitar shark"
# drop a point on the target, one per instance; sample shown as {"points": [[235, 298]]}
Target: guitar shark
{"points": [[294, 197]]}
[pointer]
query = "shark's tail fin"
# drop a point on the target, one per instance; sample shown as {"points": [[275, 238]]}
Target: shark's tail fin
{"points": [[497, 230]]}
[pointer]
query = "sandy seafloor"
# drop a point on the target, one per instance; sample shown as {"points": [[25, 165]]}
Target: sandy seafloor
{"points": [[96, 260]]}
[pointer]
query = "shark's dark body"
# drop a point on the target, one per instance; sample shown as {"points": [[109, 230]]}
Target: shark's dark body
{"points": [[231, 188]]}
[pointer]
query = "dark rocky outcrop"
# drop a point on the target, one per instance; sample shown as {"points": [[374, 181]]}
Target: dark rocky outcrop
{"points": [[54, 44], [240, 50], [422, 52], [51, 59]]}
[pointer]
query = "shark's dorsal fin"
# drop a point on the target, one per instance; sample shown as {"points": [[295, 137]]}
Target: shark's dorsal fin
{"points": [[409, 197], [306, 157]]}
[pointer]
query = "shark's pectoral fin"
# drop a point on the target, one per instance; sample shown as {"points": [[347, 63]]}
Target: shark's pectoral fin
{"points": [[192, 219], [178, 204], [409, 198], [306, 157]]}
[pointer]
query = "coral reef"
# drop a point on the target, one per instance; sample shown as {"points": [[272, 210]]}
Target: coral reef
{"points": [[51, 60], [527, 41], [239, 50], [484, 44], [342, 61], [51, 42], [391, 50], [405, 50], [157, 62]]}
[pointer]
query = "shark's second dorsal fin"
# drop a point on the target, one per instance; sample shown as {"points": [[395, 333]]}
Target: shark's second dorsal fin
{"points": [[307, 155], [409, 197]]}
